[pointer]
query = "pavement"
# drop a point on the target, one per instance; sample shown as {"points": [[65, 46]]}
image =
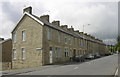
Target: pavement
{"points": [[27, 70], [102, 66]]}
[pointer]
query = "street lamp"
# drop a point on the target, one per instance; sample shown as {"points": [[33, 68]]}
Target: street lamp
{"points": [[83, 29], [83, 33]]}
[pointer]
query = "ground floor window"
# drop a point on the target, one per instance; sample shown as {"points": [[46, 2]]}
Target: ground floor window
{"points": [[57, 52], [23, 53], [66, 51], [14, 54], [50, 48]]}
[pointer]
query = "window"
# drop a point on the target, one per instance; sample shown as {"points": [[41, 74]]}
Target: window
{"points": [[14, 54], [69, 41], [74, 41], [23, 35], [48, 33], [70, 53], [57, 52], [65, 40], [50, 48], [23, 53], [66, 52], [14, 37], [58, 36]]}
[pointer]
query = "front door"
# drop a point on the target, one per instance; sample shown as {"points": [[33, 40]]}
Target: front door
{"points": [[51, 56], [74, 53]]}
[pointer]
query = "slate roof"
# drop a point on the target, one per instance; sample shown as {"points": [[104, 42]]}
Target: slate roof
{"points": [[65, 31], [5, 40]]}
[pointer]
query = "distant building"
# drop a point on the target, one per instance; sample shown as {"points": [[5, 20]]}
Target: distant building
{"points": [[38, 42], [6, 53], [1, 39]]}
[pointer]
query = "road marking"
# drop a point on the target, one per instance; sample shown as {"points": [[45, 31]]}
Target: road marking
{"points": [[75, 67], [116, 73], [88, 62]]}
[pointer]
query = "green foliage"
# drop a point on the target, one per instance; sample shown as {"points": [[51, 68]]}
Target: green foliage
{"points": [[118, 43]]}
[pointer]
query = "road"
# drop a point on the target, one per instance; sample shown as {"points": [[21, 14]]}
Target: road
{"points": [[102, 66]]}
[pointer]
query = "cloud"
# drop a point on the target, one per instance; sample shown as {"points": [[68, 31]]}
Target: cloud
{"points": [[101, 15], [11, 12]]}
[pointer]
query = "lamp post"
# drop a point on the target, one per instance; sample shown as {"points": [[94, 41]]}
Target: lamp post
{"points": [[83, 34], [84, 29]]}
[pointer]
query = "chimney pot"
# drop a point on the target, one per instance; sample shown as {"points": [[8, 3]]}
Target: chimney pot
{"points": [[77, 31], [28, 10], [64, 27], [81, 32], [71, 29], [56, 23], [85, 33]]}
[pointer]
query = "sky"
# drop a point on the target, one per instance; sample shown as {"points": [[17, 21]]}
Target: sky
{"points": [[101, 15]]}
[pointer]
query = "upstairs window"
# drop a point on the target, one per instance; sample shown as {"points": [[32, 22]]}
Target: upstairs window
{"points": [[70, 40], [14, 37], [23, 35], [58, 36], [48, 33], [65, 40]]}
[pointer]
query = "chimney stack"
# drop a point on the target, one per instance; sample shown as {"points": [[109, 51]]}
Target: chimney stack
{"points": [[28, 10], [45, 17], [56, 23], [77, 31], [81, 32], [71, 29], [64, 27], [85, 33]]}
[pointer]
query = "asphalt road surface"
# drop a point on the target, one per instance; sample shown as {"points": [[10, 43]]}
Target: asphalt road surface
{"points": [[102, 66]]}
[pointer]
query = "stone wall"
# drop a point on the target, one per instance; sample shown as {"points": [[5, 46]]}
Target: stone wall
{"points": [[33, 57]]}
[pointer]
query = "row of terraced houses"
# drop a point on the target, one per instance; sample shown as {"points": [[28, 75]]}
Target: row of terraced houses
{"points": [[36, 41]]}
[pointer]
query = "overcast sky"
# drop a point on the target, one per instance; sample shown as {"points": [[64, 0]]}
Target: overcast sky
{"points": [[102, 16]]}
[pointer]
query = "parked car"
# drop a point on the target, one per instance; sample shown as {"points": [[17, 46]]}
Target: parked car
{"points": [[76, 58], [97, 55], [82, 58], [79, 58], [107, 54], [89, 56]]}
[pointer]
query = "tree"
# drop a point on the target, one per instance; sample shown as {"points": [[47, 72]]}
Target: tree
{"points": [[118, 43]]}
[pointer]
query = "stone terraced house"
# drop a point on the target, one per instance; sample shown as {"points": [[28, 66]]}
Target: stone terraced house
{"points": [[5, 53], [37, 42]]}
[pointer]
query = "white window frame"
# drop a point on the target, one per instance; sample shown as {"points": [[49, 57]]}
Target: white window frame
{"points": [[70, 40], [70, 52], [48, 33], [58, 36], [23, 35], [65, 39], [14, 54], [66, 52], [14, 37], [23, 53], [57, 52]]}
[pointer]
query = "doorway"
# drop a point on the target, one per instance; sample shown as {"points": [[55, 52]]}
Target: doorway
{"points": [[51, 56], [74, 53]]}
